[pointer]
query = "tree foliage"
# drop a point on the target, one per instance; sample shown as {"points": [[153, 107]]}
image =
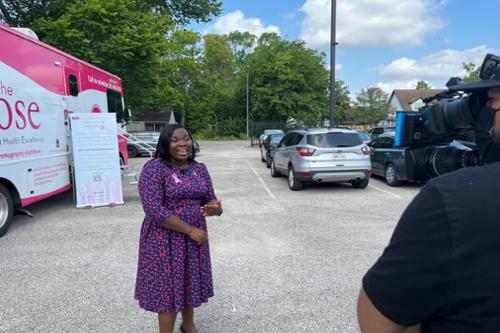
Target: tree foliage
{"points": [[422, 85], [26, 13], [286, 80], [216, 85], [372, 105], [472, 72]]}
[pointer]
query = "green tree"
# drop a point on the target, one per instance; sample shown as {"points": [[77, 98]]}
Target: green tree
{"points": [[342, 101], [241, 44], [215, 87], [371, 105], [422, 85], [184, 11], [472, 72], [26, 13], [179, 72], [286, 80]]}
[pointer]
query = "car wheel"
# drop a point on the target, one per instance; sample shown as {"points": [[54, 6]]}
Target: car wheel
{"points": [[262, 157], [6, 209], [293, 183], [360, 183], [274, 172], [132, 151], [391, 176], [268, 161]]}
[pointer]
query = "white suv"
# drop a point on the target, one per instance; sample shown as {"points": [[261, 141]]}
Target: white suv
{"points": [[322, 155]]}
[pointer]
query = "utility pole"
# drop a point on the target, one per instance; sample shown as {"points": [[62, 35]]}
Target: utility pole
{"points": [[332, 62], [248, 132]]}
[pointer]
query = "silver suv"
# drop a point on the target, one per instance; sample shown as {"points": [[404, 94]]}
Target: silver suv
{"points": [[322, 155]]}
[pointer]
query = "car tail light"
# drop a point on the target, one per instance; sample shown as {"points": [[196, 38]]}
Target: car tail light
{"points": [[369, 174], [303, 151], [365, 150], [305, 174]]}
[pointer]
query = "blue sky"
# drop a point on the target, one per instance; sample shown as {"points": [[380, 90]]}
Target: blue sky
{"points": [[386, 43]]}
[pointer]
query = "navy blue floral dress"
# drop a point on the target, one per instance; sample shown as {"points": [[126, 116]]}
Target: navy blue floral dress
{"points": [[173, 270]]}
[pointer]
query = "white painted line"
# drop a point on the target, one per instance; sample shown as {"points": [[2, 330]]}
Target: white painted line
{"points": [[385, 191], [260, 179]]}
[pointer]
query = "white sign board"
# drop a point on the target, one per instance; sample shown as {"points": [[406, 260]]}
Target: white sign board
{"points": [[96, 159]]}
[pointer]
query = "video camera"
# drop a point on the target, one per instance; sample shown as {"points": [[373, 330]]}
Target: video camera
{"points": [[430, 133]]}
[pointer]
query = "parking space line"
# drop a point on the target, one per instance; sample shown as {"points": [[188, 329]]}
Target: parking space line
{"points": [[385, 191], [260, 179]]}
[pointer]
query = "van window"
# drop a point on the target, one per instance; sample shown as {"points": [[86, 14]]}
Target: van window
{"points": [[73, 85], [115, 103], [332, 140]]}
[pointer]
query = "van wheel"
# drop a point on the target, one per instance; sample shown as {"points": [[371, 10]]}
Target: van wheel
{"points": [[274, 172], [360, 183], [391, 176], [6, 209], [293, 183], [132, 151]]}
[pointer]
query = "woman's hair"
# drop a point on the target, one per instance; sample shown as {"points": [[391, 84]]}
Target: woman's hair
{"points": [[163, 145]]}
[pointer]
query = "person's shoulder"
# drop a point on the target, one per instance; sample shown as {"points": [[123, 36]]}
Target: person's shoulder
{"points": [[199, 166], [479, 173], [154, 164], [467, 181]]}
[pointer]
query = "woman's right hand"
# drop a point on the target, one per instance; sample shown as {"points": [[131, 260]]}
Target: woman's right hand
{"points": [[198, 235]]}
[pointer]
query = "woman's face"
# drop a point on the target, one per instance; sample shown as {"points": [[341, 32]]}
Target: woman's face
{"points": [[180, 145]]}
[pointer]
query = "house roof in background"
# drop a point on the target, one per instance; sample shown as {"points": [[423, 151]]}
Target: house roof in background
{"points": [[407, 97]]}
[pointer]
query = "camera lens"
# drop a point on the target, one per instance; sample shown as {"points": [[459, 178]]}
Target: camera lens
{"points": [[440, 160]]}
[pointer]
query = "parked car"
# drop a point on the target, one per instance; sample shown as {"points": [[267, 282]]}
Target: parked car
{"points": [[322, 155], [146, 143], [266, 133], [376, 131], [392, 162], [268, 146], [388, 161]]}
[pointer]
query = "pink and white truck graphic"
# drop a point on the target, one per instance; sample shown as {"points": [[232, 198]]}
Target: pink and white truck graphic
{"points": [[39, 86]]}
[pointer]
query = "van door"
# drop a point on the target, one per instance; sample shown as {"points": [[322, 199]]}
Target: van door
{"points": [[72, 85]]}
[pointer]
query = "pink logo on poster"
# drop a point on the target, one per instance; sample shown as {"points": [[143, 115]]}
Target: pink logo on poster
{"points": [[96, 109]]}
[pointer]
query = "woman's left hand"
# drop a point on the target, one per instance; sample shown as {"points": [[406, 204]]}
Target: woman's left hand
{"points": [[212, 208]]}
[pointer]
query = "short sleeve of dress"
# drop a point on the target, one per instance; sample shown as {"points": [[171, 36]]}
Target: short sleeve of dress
{"points": [[410, 281], [152, 192], [210, 195]]}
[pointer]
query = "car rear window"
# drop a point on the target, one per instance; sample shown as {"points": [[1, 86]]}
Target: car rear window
{"points": [[332, 140], [276, 138], [364, 136]]}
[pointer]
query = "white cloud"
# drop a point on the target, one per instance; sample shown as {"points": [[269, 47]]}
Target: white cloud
{"points": [[389, 86], [363, 23], [236, 21], [435, 68]]}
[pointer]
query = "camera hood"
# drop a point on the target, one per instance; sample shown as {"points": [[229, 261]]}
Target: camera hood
{"points": [[489, 74]]}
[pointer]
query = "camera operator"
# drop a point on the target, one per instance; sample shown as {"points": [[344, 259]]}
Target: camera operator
{"points": [[441, 269]]}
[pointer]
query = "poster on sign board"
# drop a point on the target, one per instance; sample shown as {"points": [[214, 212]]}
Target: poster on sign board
{"points": [[96, 160]]}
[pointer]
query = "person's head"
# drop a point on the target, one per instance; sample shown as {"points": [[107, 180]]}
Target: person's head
{"points": [[175, 145]]}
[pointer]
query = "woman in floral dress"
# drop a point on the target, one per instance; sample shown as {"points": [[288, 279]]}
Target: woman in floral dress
{"points": [[174, 272]]}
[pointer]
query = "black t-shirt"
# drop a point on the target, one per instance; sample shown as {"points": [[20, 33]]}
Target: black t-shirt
{"points": [[442, 265]]}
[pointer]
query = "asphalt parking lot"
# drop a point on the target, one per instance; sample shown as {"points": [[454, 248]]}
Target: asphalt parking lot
{"points": [[282, 261]]}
